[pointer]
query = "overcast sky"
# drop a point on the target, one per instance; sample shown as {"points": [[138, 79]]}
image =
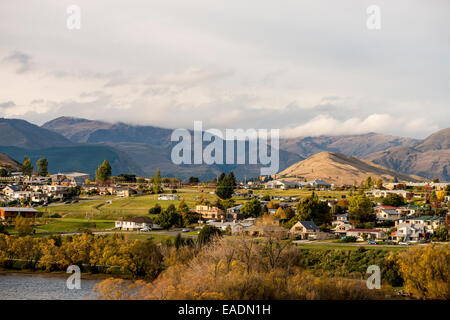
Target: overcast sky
{"points": [[306, 67]]}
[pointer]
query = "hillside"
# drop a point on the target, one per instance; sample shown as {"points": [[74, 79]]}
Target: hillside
{"points": [[8, 163], [430, 158], [150, 147], [20, 133], [352, 145], [340, 169], [19, 138]]}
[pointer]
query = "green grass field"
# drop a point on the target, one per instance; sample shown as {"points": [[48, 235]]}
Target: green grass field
{"points": [[120, 207], [103, 211]]}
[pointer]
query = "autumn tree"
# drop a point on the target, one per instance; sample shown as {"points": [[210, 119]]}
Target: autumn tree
{"points": [[23, 226], [426, 271]]}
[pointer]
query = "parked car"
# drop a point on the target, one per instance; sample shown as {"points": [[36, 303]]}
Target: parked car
{"points": [[146, 229], [186, 230], [371, 242], [403, 243]]}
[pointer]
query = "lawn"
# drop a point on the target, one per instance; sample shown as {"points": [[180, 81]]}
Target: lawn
{"points": [[113, 208], [73, 225]]}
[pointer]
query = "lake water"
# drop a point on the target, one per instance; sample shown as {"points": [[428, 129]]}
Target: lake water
{"points": [[16, 286]]}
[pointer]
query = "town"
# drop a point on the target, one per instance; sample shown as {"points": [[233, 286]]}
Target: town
{"points": [[374, 212]]}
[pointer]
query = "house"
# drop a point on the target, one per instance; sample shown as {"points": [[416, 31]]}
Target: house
{"points": [[234, 213], [281, 184], [388, 214], [12, 212], [430, 223], [9, 191], [317, 183], [125, 192], [262, 230], [409, 232], [341, 229], [71, 178], [383, 193], [370, 234], [134, 223], [341, 219], [207, 212], [236, 227], [168, 197], [307, 230]]}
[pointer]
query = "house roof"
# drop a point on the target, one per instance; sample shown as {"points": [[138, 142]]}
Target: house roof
{"points": [[14, 187], [390, 212], [364, 230], [309, 225], [139, 219], [15, 209]]}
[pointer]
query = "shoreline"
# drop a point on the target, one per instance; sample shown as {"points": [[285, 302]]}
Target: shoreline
{"points": [[59, 274]]}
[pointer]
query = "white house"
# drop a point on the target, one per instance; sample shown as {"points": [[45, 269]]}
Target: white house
{"points": [[409, 232], [388, 214], [168, 197], [134, 223], [371, 234], [281, 184]]}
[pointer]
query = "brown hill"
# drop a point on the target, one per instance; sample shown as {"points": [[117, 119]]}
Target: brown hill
{"points": [[430, 158], [8, 163], [340, 169]]}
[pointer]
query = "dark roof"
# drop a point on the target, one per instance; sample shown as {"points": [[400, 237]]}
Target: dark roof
{"points": [[309, 225], [139, 219], [14, 187]]}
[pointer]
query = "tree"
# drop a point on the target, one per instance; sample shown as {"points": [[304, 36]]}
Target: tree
{"points": [[441, 195], [426, 271], [194, 180], [393, 199], [23, 226], [42, 167], [311, 208], [232, 179], [360, 209], [224, 187], [157, 182], [103, 172], [169, 217], [207, 233], [155, 210], [3, 172], [143, 258], [379, 183], [27, 168], [252, 208]]}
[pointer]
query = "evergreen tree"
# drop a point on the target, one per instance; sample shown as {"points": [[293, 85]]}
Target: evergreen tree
{"points": [[27, 168], [42, 167], [103, 172], [157, 182]]}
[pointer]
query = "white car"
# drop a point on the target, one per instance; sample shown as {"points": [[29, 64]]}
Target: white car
{"points": [[146, 229], [404, 243]]}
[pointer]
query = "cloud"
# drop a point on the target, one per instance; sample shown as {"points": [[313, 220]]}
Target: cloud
{"points": [[327, 125], [22, 60]]}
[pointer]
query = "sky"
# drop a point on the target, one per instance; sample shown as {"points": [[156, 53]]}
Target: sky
{"points": [[306, 67]]}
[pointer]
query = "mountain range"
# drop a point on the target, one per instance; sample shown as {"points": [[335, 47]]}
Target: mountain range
{"points": [[80, 144]]}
